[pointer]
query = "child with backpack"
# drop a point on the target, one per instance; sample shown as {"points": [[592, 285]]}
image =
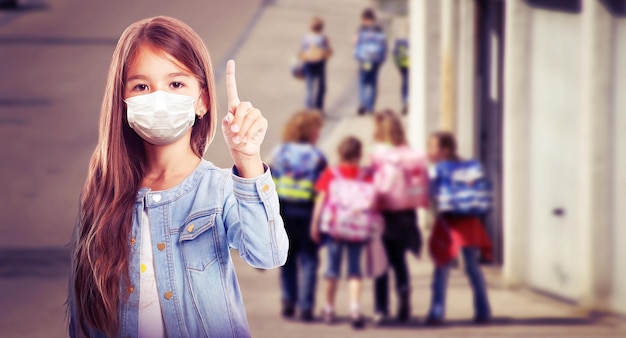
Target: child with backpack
{"points": [[296, 165], [314, 52], [345, 218], [402, 61], [370, 51], [461, 195], [401, 180]]}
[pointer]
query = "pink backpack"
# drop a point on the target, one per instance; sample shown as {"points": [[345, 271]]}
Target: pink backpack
{"points": [[349, 212], [401, 178]]}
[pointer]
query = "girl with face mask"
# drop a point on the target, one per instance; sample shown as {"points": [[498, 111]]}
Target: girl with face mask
{"points": [[151, 249]]}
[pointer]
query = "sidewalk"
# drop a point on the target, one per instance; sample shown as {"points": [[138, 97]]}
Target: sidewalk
{"points": [[265, 75], [516, 313]]}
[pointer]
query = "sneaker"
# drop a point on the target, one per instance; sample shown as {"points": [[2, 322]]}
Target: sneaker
{"points": [[404, 307], [379, 318], [289, 310], [306, 315], [357, 321], [329, 316], [481, 320], [432, 321]]}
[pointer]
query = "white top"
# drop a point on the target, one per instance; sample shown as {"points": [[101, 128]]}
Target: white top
{"points": [[151, 323]]}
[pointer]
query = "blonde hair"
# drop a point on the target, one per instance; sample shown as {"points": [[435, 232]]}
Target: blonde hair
{"points": [[388, 128], [101, 244], [303, 126]]}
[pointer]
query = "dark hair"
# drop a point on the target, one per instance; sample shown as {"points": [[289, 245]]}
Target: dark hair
{"points": [[350, 149], [317, 24], [368, 14], [446, 140]]}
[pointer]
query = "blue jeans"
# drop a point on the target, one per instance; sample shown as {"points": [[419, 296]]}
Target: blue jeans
{"points": [[368, 85], [404, 88], [335, 250], [298, 276], [472, 269], [315, 72]]}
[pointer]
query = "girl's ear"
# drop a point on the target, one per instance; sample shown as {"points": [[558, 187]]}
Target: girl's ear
{"points": [[202, 105]]}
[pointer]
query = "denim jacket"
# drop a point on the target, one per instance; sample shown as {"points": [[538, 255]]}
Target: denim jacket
{"points": [[193, 226]]}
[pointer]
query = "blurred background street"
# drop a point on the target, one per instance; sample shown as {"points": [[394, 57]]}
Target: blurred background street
{"points": [[54, 56]]}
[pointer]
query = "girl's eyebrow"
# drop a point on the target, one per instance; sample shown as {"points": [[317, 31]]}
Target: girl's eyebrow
{"points": [[179, 74], [143, 77], [136, 77]]}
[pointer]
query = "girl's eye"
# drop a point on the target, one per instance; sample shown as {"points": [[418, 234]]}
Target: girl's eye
{"points": [[140, 87], [176, 85]]}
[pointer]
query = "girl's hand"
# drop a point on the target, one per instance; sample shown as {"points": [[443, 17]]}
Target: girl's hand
{"points": [[315, 235], [244, 129], [317, 212]]}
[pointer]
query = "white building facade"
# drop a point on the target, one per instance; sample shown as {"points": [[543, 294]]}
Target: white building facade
{"points": [[537, 90]]}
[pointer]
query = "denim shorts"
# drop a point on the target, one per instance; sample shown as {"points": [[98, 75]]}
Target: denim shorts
{"points": [[335, 250]]}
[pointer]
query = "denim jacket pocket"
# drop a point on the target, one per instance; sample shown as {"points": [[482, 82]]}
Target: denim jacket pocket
{"points": [[199, 242]]}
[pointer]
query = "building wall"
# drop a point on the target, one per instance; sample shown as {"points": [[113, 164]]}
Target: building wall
{"points": [[554, 148], [618, 150], [564, 138]]}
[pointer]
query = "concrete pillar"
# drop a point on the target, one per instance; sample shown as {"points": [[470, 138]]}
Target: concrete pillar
{"points": [[594, 181], [449, 40], [424, 72], [424, 89], [516, 144], [466, 74]]}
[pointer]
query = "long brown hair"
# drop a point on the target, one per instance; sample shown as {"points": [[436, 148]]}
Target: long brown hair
{"points": [[100, 280], [388, 128]]}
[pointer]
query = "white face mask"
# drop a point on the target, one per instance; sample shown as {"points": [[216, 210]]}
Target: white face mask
{"points": [[160, 118]]}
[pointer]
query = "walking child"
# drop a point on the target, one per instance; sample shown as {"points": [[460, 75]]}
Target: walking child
{"points": [[344, 220], [314, 52], [370, 52], [296, 165], [460, 194], [401, 180]]}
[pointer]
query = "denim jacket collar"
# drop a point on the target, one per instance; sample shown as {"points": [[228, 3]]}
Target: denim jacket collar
{"points": [[161, 197]]}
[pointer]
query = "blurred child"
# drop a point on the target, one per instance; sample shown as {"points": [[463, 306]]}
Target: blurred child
{"points": [[342, 229], [401, 179], [402, 60], [459, 190], [370, 51], [296, 166], [314, 52]]}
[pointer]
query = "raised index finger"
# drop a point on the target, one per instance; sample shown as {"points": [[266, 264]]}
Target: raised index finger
{"points": [[231, 86]]}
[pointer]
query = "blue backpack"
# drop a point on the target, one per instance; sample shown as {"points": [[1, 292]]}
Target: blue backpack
{"points": [[460, 187], [295, 169], [371, 46]]}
